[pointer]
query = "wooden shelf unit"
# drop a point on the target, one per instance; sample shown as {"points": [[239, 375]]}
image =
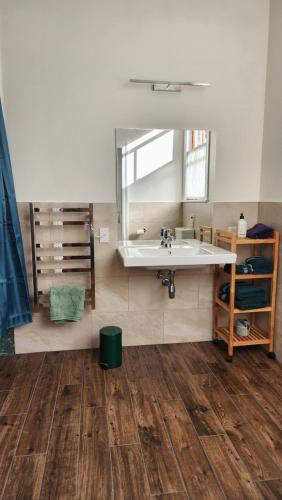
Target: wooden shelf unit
{"points": [[256, 335]]}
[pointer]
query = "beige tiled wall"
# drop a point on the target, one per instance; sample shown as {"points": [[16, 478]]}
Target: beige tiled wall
{"points": [[133, 299], [153, 216], [271, 214], [227, 213], [201, 211]]}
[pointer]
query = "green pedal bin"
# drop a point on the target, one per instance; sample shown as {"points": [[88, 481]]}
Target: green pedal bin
{"points": [[110, 346]]}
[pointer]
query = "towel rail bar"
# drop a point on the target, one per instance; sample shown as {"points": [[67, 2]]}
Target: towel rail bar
{"points": [[64, 270], [47, 294], [55, 210], [55, 258], [58, 246], [62, 245], [58, 223]]}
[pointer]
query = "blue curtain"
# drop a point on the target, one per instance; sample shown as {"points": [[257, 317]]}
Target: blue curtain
{"points": [[15, 307]]}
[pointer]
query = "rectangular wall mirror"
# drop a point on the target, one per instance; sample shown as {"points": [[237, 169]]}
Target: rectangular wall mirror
{"points": [[165, 179]]}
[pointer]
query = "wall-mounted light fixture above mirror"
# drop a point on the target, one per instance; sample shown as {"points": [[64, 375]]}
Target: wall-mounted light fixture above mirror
{"points": [[164, 179], [169, 86]]}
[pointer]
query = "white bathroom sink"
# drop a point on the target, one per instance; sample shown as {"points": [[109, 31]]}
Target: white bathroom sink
{"points": [[183, 253]]}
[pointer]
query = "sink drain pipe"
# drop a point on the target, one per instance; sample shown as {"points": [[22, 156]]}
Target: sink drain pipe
{"points": [[167, 278]]}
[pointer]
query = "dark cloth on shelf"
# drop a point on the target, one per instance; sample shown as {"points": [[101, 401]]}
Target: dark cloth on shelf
{"points": [[247, 296], [260, 231], [252, 265], [254, 304], [260, 265], [245, 292], [240, 268]]}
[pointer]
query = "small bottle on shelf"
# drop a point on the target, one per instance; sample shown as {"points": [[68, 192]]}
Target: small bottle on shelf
{"points": [[242, 227]]}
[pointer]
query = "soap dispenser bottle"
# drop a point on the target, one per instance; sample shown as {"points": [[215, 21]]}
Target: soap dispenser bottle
{"points": [[242, 227]]}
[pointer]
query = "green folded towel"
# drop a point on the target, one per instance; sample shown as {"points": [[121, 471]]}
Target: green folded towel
{"points": [[67, 303]]}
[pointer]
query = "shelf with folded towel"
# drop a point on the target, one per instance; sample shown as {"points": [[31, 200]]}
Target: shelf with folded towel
{"points": [[229, 296], [255, 337], [250, 276], [224, 236], [257, 241], [226, 307], [253, 276]]}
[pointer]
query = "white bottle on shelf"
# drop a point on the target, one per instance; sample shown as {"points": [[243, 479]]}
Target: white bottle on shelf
{"points": [[242, 227]]}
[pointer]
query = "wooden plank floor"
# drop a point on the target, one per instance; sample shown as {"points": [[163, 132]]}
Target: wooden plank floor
{"points": [[174, 422]]}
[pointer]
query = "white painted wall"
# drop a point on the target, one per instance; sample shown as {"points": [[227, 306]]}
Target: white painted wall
{"points": [[66, 65], [271, 179], [165, 183]]}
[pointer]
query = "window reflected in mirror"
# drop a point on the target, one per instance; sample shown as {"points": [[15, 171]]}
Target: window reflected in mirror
{"points": [[196, 165], [163, 180]]}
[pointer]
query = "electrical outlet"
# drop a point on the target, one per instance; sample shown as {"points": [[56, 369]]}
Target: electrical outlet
{"points": [[104, 235]]}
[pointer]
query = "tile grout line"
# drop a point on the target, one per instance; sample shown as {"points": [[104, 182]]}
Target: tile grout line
{"points": [[211, 465], [136, 443], [201, 445], [81, 414], [13, 414], [257, 400], [51, 424], [165, 429], [228, 368], [137, 429], [108, 435], [268, 480], [172, 448], [164, 369], [33, 392], [204, 451], [267, 451], [163, 327], [225, 433], [229, 396], [163, 421], [249, 395], [22, 427], [168, 493], [158, 401]]}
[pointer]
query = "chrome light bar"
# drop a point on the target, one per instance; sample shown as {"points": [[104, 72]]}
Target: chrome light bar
{"points": [[169, 86]]}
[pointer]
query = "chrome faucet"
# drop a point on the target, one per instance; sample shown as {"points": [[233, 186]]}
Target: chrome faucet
{"points": [[166, 237]]}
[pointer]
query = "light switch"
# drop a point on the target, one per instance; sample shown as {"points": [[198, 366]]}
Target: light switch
{"points": [[104, 235]]}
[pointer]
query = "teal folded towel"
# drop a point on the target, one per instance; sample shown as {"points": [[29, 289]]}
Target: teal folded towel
{"points": [[244, 305], [260, 264], [247, 292], [253, 265], [240, 268], [67, 303], [247, 296]]}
